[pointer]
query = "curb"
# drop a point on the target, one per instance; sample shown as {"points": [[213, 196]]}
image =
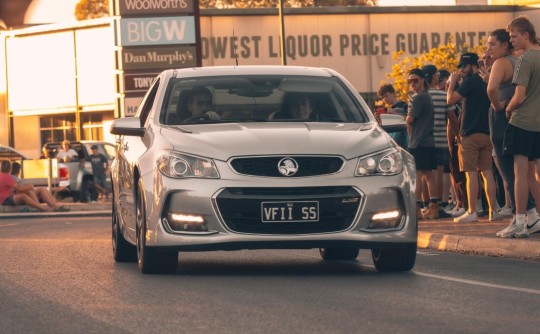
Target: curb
{"points": [[33, 215], [515, 248]]}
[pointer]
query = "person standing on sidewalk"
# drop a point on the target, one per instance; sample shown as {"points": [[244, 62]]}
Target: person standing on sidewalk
{"points": [[100, 167], [441, 112], [421, 142], [522, 136], [66, 153], [475, 147], [500, 90]]}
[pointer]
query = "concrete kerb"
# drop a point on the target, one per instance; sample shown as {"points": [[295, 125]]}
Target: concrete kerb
{"points": [[100, 209], [515, 248]]}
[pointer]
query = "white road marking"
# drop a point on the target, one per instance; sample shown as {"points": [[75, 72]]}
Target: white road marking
{"points": [[8, 225], [472, 282], [459, 280]]}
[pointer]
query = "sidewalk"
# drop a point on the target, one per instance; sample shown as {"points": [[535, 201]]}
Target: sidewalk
{"points": [[439, 234], [476, 238]]}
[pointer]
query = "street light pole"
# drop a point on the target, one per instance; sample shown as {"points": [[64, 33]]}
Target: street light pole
{"points": [[282, 34]]}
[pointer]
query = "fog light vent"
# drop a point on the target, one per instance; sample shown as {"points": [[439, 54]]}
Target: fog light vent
{"points": [[385, 220], [181, 222]]}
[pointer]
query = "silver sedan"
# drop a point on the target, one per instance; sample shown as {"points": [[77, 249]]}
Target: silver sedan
{"points": [[260, 157]]}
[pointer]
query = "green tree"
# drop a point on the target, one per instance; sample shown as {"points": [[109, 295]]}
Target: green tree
{"points": [[91, 9]]}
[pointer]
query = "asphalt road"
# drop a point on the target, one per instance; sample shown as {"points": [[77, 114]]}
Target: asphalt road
{"points": [[59, 277]]}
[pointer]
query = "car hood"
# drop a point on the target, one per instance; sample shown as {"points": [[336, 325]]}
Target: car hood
{"points": [[222, 141]]}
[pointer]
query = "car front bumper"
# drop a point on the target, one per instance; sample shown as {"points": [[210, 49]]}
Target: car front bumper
{"points": [[205, 198]]}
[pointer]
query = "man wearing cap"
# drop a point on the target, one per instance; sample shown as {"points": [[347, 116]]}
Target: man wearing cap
{"points": [[421, 142], [100, 165], [475, 147], [441, 112]]}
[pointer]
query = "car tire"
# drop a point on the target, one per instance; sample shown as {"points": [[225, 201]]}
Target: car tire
{"points": [[339, 253], [123, 251], [150, 261], [394, 259]]}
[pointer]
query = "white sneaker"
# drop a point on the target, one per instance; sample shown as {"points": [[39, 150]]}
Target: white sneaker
{"points": [[533, 224], [466, 218], [521, 231], [505, 211], [509, 231], [458, 212], [494, 216]]}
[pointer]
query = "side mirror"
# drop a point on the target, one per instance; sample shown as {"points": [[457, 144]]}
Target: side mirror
{"points": [[127, 126], [393, 123]]}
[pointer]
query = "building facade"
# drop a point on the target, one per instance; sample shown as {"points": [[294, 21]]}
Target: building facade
{"points": [[59, 81]]}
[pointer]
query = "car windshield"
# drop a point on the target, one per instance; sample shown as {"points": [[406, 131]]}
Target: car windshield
{"points": [[260, 98]]}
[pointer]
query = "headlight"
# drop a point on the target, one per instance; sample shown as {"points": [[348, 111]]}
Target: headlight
{"points": [[178, 165], [388, 162]]}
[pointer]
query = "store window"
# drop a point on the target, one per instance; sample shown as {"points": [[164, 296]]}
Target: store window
{"points": [[57, 128], [92, 126]]}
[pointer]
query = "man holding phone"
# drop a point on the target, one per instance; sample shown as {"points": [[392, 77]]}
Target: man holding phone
{"points": [[475, 147]]}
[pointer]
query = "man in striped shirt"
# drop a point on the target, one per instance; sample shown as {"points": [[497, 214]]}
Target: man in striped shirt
{"points": [[441, 112]]}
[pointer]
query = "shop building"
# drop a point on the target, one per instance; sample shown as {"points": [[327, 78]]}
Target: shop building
{"points": [[60, 81]]}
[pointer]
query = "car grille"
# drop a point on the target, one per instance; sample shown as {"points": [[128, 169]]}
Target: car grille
{"points": [[240, 209], [268, 166]]}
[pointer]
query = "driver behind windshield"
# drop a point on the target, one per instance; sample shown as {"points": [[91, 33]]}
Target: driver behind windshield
{"points": [[192, 104]]}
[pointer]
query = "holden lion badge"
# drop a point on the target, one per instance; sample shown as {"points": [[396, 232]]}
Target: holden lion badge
{"points": [[288, 166]]}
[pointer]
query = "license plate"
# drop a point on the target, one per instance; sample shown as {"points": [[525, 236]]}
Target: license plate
{"points": [[290, 212]]}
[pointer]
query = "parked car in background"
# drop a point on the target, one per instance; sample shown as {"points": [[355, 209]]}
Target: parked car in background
{"points": [[80, 175], [247, 173], [38, 172], [11, 154]]}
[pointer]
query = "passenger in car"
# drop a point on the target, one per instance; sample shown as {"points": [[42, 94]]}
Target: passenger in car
{"points": [[297, 106], [193, 103]]}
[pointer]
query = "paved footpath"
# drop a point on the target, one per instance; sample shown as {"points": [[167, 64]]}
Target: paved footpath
{"points": [[477, 238], [439, 234]]}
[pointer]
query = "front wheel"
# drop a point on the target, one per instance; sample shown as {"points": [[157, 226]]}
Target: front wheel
{"points": [[394, 259], [123, 251], [339, 253], [151, 261]]}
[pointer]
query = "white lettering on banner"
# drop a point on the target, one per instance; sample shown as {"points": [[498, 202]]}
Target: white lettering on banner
{"points": [[155, 4], [142, 82], [152, 31], [156, 57]]}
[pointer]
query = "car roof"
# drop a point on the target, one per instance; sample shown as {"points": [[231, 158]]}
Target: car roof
{"points": [[252, 70], [9, 148]]}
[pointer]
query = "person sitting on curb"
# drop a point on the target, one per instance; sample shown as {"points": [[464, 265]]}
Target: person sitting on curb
{"points": [[11, 193], [38, 194]]}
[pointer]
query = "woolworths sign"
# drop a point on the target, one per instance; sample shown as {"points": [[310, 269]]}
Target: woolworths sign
{"points": [[152, 7]]}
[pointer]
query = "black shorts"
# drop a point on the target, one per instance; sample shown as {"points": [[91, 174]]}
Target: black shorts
{"points": [[442, 156], [518, 141], [9, 201], [424, 158]]}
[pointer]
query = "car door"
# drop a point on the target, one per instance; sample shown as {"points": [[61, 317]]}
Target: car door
{"points": [[129, 150]]}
